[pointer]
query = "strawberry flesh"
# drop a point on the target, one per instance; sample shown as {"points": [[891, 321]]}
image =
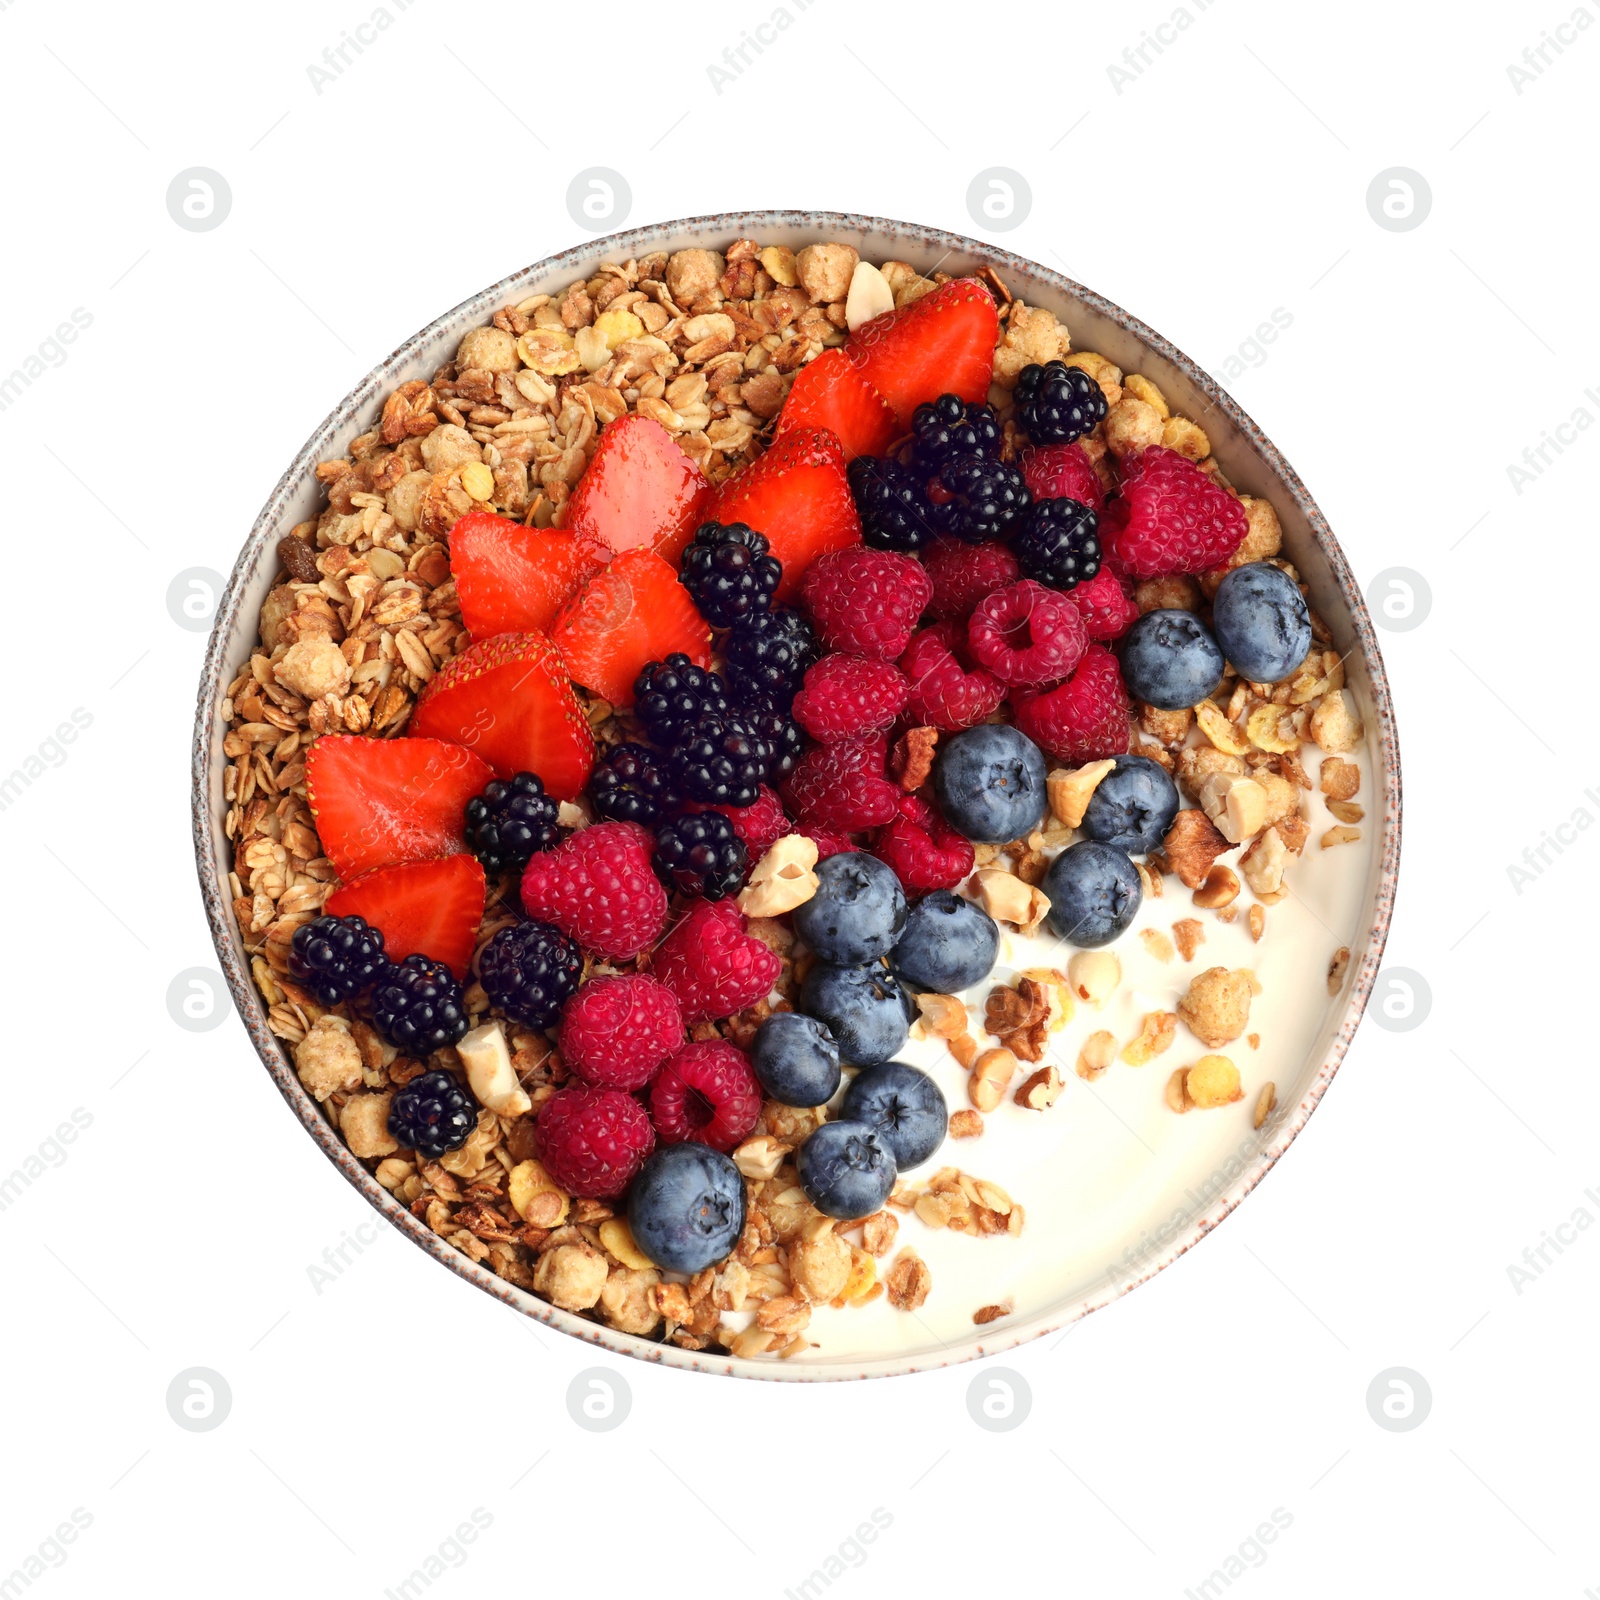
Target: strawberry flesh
{"points": [[830, 393], [513, 579], [940, 344], [640, 491], [431, 908]]}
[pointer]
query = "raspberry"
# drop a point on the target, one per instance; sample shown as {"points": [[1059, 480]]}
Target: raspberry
{"points": [[706, 1092], [599, 887], [712, 965], [592, 1141], [846, 696], [945, 693], [962, 574], [1083, 719], [1107, 612], [828, 842], [616, 1032], [760, 825], [1027, 635], [842, 785], [866, 601], [924, 850], [1178, 520], [1063, 471]]}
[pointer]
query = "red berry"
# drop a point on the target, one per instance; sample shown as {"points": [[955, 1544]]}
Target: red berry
{"points": [[640, 491], [713, 966], [615, 1032], [706, 1092], [599, 888], [1108, 613], [924, 850], [593, 1141], [941, 344], [1062, 471], [1027, 635], [1083, 719], [828, 842], [846, 696], [1177, 519], [866, 601], [429, 908], [760, 825], [945, 692], [830, 393], [514, 579], [962, 574], [842, 785]]}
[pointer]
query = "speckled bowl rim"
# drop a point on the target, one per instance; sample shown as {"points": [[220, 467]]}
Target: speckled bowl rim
{"points": [[209, 762]]}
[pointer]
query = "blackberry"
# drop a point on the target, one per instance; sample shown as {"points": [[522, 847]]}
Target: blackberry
{"points": [[721, 760], [432, 1115], [771, 721], [631, 783], [510, 823], [985, 496], [728, 572], [1057, 403], [892, 501], [770, 651], [949, 427], [336, 958], [1058, 542], [701, 853], [669, 695], [418, 1006], [530, 970]]}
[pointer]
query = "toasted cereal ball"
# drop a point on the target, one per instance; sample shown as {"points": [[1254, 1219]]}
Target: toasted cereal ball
{"points": [[692, 274], [571, 1276], [1213, 1081], [825, 271], [488, 349], [1334, 724], [328, 1059], [1217, 1006], [1263, 534], [313, 667], [625, 1300], [364, 1122], [404, 500], [1132, 425], [820, 1266], [449, 447]]}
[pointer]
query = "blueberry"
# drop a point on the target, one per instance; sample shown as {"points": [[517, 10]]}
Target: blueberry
{"points": [[990, 783], [857, 912], [864, 1008], [1170, 660], [948, 945], [796, 1060], [1132, 806], [1261, 621], [846, 1169], [906, 1108], [1094, 893], [686, 1207]]}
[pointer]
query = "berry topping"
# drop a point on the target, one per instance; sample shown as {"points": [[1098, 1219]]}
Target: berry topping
{"points": [[842, 786], [849, 695], [513, 579], [949, 427], [981, 496], [941, 344], [829, 393], [829, 842], [1261, 621], [429, 908], [1170, 660], [1063, 471], [769, 652], [598, 887], [529, 971], [990, 783], [760, 825], [640, 491], [846, 1169], [1027, 635], [706, 1092], [418, 1006], [904, 1105], [795, 1060], [670, 695], [509, 823], [593, 1141], [509, 700], [946, 693], [948, 945], [1177, 519], [713, 966], [1058, 542], [728, 572], [701, 853], [1083, 719], [632, 783], [616, 1032], [721, 760], [379, 801], [1132, 806], [1108, 613], [633, 612], [1094, 893], [768, 719], [336, 958], [866, 601], [857, 912], [962, 574], [432, 1115], [864, 1008], [1057, 403], [925, 852], [686, 1209], [794, 492], [896, 513]]}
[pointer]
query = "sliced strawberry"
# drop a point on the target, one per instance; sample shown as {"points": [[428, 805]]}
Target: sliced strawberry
{"points": [[940, 344], [378, 801], [430, 908], [633, 612], [511, 578], [639, 490], [795, 492], [830, 393], [508, 699]]}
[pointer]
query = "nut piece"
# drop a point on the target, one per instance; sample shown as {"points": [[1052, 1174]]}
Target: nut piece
{"points": [[571, 1276], [1040, 1090], [364, 1122], [1340, 835], [1347, 810], [1216, 1007], [312, 668], [1008, 899], [1175, 1094], [1094, 975], [782, 879], [1238, 806], [1337, 967], [908, 1281], [778, 259], [1263, 863], [1191, 845], [1071, 790], [1189, 935], [1213, 1081], [1266, 1102], [1340, 780], [328, 1059], [991, 1073], [1221, 888], [1222, 733], [825, 270], [759, 1158], [869, 296], [534, 1195], [1335, 725], [1258, 922], [1098, 1052], [492, 1078], [943, 1015], [965, 1125]]}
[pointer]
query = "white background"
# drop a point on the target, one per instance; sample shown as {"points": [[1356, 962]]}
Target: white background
{"points": [[1227, 180]]}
